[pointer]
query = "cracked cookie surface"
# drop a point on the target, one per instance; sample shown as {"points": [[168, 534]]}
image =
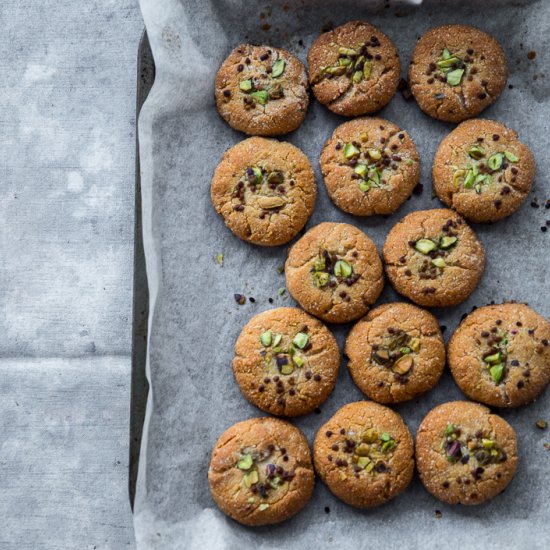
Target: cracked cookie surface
{"points": [[261, 90], [433, 258], [457, 71], [483, 171], [264, 190], [334, 272], [464, 453], [286, 361], [354, 69], [500, 355], [370, 166], [364, 454], [396, 352], [261, 472]]}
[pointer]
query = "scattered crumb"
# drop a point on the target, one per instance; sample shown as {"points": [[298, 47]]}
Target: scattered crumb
{"points": [[240, 299], [438, 514], [219, 259], [281, 291], [542, 424], [531, 55]]}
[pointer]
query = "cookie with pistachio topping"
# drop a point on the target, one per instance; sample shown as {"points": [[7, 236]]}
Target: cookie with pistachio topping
{"points": [[370, 166], [464, 453], [260, 471], [457, 71], [334, 272], [483, 171], [364, 454], [500, 355], [433, 258], [396, 352], [261, 90], [286, 361], [264, 190], [354, 69]]}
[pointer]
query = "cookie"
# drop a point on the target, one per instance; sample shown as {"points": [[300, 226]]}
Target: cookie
{"points": [[464, 453], [260, 471], [396, 352], [334, 272], [370, 166], [264, 190], [483, 171], [261, 90], [433, 258], [457, 71], [354, 69], [500, 355], [364, 454], [286, 362]]}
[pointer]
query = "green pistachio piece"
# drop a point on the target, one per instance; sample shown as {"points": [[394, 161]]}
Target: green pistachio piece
{"points": [[385, 436], [446, 54], [251, 478], [403, 365], [321, 278], [281, 291], [496, 372], [477, 187], [487, 443], [342, 269], [495, 161], [345, 61], [510, 156], [258, 176], [245, 463], [278, 68], [450, 429], [476, 152], [357, 76], [350, 151], [455, 77], [439, 262], [361, 169], [369, 467], [370, 436], [374, 175], [336, 71], [458, 177], [375, 154], [277, 339], [287, 369], [362, 462], [298, 361], [219, 259], [319, 264], [446, 64], [275, 482], [245, 85], [414, 344], [262, 507], [367, 69], [301, 340], [265, 338], [493, 359], [405, 350], [277, 349], [425, 246], [447, 242], [251, 500], [347, 51], [260, 96], [362, 449], [388, 446], [364, 185], [469, 179]]}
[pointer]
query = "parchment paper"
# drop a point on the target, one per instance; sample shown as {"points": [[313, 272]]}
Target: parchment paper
{"points": [[195, 319]]}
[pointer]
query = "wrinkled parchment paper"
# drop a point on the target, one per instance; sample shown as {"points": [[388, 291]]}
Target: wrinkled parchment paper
{"points": [[195, 319]]}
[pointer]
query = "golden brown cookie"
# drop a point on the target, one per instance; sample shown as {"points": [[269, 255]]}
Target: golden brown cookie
{"points": [[500, 355], [354, 69], [396, 352], [286, 361], [370, 166], [264, 190], [364, 454], [464, 453], [433, 258], [334, 272], [261, 90], [457, 71], [261, 472], [483, 171]]}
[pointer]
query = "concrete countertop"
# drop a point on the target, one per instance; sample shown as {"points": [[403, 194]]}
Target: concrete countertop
{"points": [[67, 137]]}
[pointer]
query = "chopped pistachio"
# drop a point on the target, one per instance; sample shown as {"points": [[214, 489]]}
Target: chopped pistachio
{"points": [[403, 365], [269, 203], [298, 361], [262, 507], [265, 338], [245, 85], [319, 264], [370, 436], [447, 242], [364, 136], [495, 161], [345, 61], [277, 339], [245, 463], [342, 269], [260, 96], [425, 246], [357, 76], [388, 445], [367, 69], [405, 350], [414, 344], [385, 436], [445, 54], [251, 500], [364, 185], [281, 291], [336, 71], [251, 478], [347, 51], [493, 359], [363, 461], [350, 151], [362, 449], [477, 187], [439, 262], [369, 467], [496, 372], [449, 429], [275, 482], [455, 77], [258, 176], [361, 169], [469, 179], [487, 443], [219, 259], [510, 156], [375, 154], [321, 278], [300, 340], [277, 349], [446, 64], [287, 369], [278, 68], [458, 176], [476, 152]]}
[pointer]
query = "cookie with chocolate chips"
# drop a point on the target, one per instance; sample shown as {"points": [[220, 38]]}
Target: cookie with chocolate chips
{"points": [[261, 90], [370, 166], [457, 71], [464, 453], [433, 258], [260, 471], [286, 361], [354, 69], [364, 454], [264, 190], [334, 272], [396, 352], [483, 171], [500, 355]]}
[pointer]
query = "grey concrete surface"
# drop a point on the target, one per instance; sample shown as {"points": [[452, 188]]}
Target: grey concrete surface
{"points": [[67, 131]]}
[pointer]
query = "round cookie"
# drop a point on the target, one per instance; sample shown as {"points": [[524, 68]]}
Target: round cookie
{"points": [[483, 171], [464, 453], [364, 454], [354, 69], [433, 258], [334, 272], [261, 90], [500, 355], [457, 71], [260, 471], [370, 166], [286, 362], [396, 352], [264, 190]]}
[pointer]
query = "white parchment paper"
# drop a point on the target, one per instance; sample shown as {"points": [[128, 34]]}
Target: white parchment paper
{"points": [[195, 320]]}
